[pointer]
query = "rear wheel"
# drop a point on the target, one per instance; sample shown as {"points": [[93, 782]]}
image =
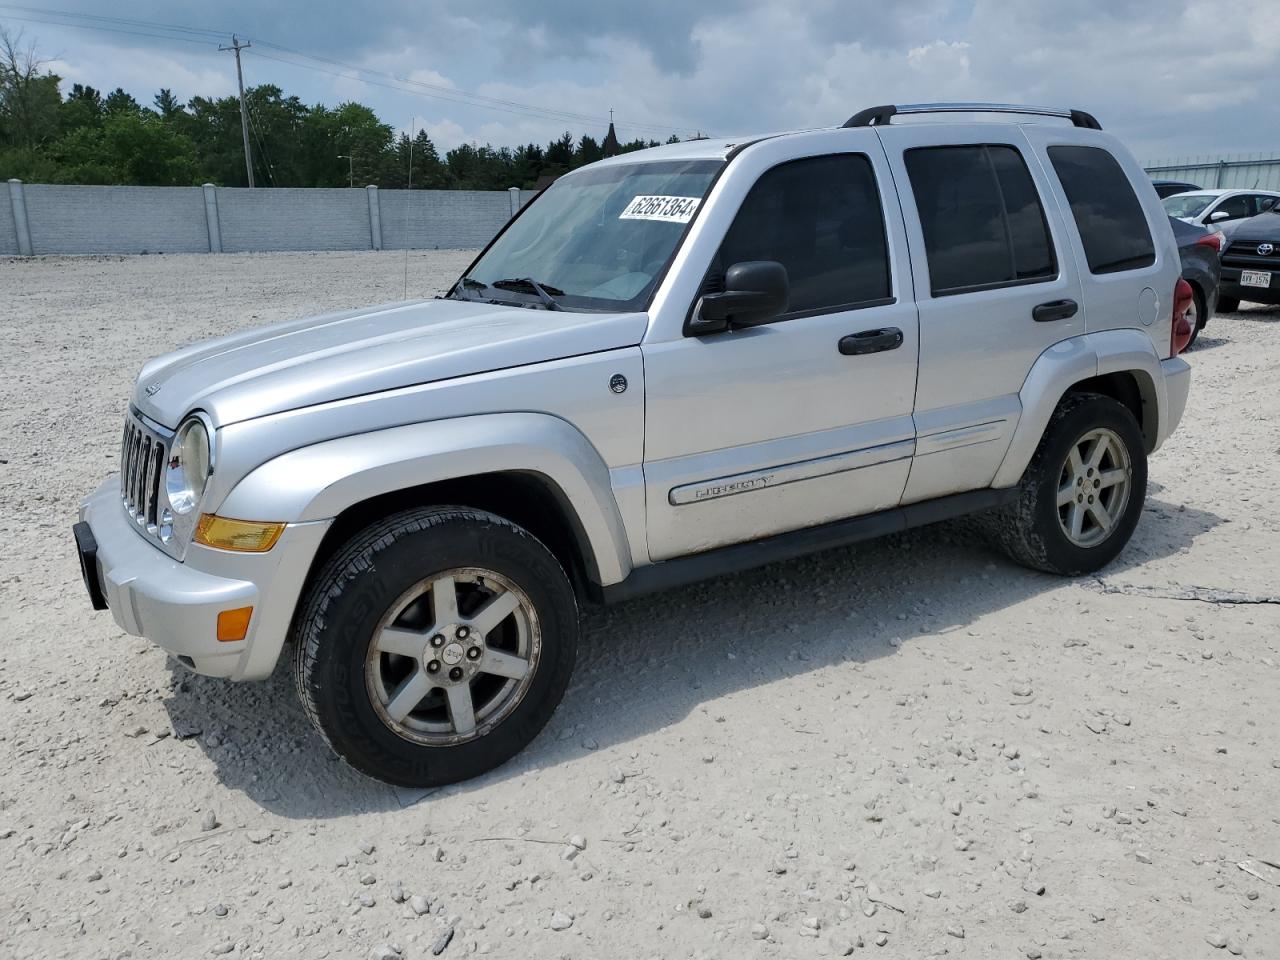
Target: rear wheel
{"points": [[1082, 494], [435, 645], [1228, 304]]}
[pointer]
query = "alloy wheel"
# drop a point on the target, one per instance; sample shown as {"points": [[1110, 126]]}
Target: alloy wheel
{"points": [[453, 656]]}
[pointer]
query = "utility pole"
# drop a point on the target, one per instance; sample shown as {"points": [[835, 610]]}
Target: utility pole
{"points": [[351, 168], [237, 46]]}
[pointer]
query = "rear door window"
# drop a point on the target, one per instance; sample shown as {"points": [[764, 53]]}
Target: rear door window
{"points": [[983, 223], [1113, 227]]}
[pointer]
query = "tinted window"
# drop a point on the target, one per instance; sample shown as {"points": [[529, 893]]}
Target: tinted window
{"points": [[1236, 207], [981, 217], [821, 219], [1112, 226]]}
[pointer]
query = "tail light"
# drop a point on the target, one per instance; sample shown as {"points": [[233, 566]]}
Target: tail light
{"points": [[1183, 300], [1212, 239]]}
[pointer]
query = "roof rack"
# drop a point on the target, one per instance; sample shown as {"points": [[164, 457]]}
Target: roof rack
{"points": [[879, 116]]}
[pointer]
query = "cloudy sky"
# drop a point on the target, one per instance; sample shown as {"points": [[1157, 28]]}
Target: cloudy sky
{"points": [[1172, 77]]}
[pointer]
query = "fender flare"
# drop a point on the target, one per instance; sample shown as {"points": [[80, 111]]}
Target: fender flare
{"points": [[320, 481], [1071, 361]]}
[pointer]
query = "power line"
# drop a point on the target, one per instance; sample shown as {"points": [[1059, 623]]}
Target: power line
{"points": [[198, 35]]}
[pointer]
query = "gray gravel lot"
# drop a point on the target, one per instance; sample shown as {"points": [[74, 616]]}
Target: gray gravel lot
{"points": [[911, 742]]}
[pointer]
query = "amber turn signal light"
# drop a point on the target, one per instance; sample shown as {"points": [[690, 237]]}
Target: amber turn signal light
{"points": [[246, 536], [234, 624]]}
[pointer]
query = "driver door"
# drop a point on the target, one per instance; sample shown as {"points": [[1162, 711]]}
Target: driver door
{"points": [[757, 431]]}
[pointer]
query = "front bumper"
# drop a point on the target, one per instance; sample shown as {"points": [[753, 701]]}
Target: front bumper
{"points": [[176, 604], [1229, 286]]}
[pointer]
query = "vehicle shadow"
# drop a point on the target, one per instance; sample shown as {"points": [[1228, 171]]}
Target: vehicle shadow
{"points": [[648, 663]]}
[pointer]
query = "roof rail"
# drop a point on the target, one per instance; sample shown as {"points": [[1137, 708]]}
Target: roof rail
{"points": [[879, 116]]}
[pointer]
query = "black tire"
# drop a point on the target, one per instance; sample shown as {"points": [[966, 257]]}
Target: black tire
{"points": [[1201, 317], [1029, 531], [361, 582], [1228, 304]]}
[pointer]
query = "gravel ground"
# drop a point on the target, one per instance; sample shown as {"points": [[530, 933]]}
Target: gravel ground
{"points": [[911, 743]]}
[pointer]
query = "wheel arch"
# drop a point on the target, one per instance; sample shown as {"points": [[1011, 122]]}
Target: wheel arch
{"points": [[536, 470], [1121, 364]]}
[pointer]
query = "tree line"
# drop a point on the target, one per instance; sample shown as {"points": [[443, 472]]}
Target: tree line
{"points": [[87, 136]]}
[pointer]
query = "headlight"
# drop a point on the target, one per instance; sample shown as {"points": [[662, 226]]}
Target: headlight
{"points": [[189, 466]]}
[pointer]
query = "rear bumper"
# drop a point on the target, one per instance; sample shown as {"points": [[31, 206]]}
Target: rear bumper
{"points": [[176, 605], [1177, 385]]}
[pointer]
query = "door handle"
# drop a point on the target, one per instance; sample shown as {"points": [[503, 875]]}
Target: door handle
{"points": [[871, 341], [1054, 310]]}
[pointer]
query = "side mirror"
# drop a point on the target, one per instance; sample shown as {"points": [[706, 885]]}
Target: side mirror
{"points": [[755, 292], [1219, 215]]}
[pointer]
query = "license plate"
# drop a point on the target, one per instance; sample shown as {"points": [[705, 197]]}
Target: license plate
{"points": [[1255, 278]]}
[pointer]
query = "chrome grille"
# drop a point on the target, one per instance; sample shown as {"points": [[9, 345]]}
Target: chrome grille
{"points": [[143, 453]]}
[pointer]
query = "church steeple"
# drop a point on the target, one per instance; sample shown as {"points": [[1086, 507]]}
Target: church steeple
{"points": [[611, 146]]}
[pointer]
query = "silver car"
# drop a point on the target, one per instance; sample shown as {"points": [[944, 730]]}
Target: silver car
{"points": [[672, 365]]}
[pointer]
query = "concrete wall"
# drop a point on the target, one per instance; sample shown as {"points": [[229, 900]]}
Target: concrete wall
{"points": [[95, 219], [8, 235], [431, 219], [116, 219], [1243, 171]]}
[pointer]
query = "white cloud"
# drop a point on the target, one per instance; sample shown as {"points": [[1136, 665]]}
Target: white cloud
{"points": [[1178, 77]]}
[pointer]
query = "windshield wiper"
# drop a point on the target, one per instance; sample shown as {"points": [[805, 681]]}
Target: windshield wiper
{"points": [[465, 284], [547, 294]]}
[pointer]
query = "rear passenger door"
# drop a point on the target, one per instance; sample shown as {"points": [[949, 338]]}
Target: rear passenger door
{"points": [[994, 285]]}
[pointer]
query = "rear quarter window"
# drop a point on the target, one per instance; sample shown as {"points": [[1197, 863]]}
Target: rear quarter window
{"points": [[1113, 227]]}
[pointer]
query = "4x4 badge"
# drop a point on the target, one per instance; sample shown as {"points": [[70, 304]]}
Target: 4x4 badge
{"points": [[1265, 249], [152, 389]]}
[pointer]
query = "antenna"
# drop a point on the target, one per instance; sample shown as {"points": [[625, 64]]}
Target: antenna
{"points": [[408, 197]]}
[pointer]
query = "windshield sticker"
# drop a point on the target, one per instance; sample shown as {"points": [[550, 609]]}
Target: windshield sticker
{"points": [[668, 209]]}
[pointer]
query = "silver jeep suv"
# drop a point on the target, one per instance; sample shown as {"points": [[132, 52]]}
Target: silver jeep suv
{"points": [[672, 365]]}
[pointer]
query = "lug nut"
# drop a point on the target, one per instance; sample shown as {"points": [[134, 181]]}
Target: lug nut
{"points": [[463, 633], [1097, 484], [473, 653], [455, 673], [433, 666], [437, 640], [1091, 499]]}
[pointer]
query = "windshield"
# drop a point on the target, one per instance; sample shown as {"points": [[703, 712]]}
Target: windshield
{"points": [[598, 239], [1187, 204]]}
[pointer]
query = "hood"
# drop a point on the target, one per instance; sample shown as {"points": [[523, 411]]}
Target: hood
{"points": [[1265, 226], [303, 362]]}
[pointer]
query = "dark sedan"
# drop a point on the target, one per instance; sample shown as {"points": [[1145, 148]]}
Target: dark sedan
{"points": [[1167, 188], [1200, 250], [1251, 262]]}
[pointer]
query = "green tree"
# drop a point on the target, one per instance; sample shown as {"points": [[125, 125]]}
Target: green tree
{"points": [[82, 108], [167, 105], [120, 102], [29, 98]]}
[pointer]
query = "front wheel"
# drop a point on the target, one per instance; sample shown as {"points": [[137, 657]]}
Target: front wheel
{"points": [[1083, 492], [435, 645]]}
